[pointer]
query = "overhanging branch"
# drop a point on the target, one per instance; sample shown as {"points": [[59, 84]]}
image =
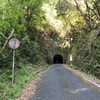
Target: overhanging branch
{"points": [[7, 40]]}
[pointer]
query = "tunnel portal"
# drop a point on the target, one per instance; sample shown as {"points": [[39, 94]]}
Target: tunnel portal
{"points": [[57, 59]]}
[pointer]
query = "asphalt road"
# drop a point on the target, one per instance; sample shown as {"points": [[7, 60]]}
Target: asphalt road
{"points": [[58, 83]]}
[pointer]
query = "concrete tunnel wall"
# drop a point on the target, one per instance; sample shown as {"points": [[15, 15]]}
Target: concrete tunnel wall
{"points": [[57, 59]]}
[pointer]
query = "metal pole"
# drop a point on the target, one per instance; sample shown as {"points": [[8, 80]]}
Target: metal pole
{"points": [[13, 70]]}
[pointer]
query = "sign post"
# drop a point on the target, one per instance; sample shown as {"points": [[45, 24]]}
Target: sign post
{"points": [[13, 70], [13, 44]]}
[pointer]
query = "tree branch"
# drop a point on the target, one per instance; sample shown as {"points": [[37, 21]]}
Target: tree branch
{"points": [[7, 40]]}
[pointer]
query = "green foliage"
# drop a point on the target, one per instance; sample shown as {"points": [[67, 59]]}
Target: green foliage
{"points": [[85, 32], [23, 76], [26, 18], [38, 46], [86, 52]]}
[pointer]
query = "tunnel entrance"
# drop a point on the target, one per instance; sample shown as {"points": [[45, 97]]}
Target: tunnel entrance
{"points": [[57, 59]]}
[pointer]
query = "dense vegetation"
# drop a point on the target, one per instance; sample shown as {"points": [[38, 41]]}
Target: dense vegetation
{"points": [[23, 20], [44, 28], [85, 33]]}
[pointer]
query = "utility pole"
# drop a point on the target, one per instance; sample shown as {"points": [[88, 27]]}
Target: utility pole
{"points": [[69, 32]]}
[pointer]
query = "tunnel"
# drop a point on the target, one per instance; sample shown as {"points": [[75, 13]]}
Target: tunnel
{"points": [[57, 59]]}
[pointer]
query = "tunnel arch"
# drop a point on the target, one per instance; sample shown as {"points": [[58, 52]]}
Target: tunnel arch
{"points": [[57, 59]]}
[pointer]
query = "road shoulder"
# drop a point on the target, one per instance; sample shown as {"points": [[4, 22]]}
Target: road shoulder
{"points": [[30, 89], [86, 77]]}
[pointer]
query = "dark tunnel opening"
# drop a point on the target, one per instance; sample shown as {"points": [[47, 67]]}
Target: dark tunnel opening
{"points": [[57, 59]]}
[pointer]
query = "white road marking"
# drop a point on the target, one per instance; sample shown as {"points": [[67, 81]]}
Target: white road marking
{"points": [[92, 82]]}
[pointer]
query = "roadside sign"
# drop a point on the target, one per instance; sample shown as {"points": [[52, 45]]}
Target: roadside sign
{"points": [[14, 43], [71, 57]]}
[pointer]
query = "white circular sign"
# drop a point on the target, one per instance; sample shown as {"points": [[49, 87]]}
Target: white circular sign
{"points": [[14, 43]]}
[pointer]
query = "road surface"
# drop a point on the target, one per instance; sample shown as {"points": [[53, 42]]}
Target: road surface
{"points": [[58, 83]]}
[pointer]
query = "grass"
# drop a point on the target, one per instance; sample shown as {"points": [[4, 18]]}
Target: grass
{"points": [[23, 76]]}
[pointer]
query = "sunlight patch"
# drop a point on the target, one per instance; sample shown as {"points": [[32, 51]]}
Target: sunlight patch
{"points": [[79, 90], [51, 14]]}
